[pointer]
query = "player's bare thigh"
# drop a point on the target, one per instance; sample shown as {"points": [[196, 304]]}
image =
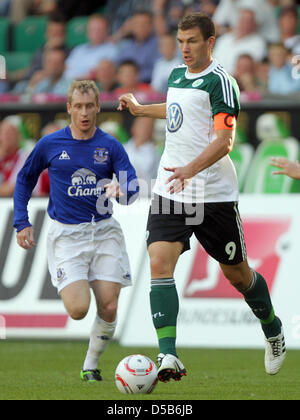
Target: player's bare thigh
{"points": [[107, 295], [163, 258], [77, 298]]}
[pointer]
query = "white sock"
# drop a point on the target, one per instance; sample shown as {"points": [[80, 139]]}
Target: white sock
{"points": [[101, 334]]}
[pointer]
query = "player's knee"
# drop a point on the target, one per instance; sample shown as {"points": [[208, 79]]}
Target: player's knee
{"points": [[78, 313], [237, 280], [238, 284], [108, 311], [240, 276], [160, 266]]}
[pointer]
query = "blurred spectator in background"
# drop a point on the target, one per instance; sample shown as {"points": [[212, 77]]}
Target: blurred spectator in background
{"points": [[143, 153], [204, 6], [244, 39], [262, 74], [55, 38], [85, 58], [288, 23], [19, 9], [72, 8], [226, 16], [143, 46], [115, 129], [128, 77], [281, 79], [4, 7], [247, 79], [53, 126], [118, 14], [13, 157], [50, 79], [106, 76], [167, 15], [163, 66]]}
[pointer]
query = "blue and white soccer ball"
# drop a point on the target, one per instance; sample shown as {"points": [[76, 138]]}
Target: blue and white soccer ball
{"points": [[136, 374]]}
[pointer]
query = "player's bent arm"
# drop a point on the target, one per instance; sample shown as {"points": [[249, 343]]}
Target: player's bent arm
{"points": [[225, 128], [213, 152], [128, 101]]}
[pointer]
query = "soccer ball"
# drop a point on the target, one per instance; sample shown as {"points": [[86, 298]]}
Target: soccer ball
{"points": [[136, 374]]}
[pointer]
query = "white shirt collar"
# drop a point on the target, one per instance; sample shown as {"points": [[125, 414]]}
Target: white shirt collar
{"points": [[208, 70]]}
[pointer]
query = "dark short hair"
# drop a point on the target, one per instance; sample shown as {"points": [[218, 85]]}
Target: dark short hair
{"points": [[145, 12], [201, 21], [131, 63], [57, 17], [289, 10]]}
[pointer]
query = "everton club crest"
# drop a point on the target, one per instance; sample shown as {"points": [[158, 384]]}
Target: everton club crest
{"points": [[100, 155]]}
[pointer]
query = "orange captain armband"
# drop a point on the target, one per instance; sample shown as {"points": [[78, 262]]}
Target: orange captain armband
{"points": [[224, 121]]}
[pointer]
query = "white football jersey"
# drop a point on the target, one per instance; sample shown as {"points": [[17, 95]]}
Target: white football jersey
{"points": [[192, 101]]}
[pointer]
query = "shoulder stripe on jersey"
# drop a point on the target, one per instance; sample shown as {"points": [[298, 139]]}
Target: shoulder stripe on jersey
{"points": [[226, 95], [226, 86], [229, 84], [221, 70]]}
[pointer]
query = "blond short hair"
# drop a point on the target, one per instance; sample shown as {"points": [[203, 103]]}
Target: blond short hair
{"points": [[84, 86]]}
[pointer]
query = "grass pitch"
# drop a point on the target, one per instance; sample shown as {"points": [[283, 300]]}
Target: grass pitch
{"points": [[48, 370]]}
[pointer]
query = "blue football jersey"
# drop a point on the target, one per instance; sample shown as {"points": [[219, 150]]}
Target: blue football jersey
{"points": [[78, 172]]}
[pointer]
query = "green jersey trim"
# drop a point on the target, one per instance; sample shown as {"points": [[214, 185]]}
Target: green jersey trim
{"points": [[222, 88]]}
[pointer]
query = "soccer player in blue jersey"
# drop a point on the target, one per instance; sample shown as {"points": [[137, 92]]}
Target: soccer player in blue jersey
{"points": [[86, 247]]}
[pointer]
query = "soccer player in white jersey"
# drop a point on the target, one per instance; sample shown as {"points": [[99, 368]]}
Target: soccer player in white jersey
{"points": [[196, 173], [86, 247]]}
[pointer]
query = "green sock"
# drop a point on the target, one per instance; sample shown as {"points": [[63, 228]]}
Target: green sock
{"points": [[164, 307], [259, 300]]}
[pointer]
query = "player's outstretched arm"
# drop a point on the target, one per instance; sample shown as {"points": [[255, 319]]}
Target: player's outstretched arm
{"points": [[128, 101], [25, 238], [291, 169]]}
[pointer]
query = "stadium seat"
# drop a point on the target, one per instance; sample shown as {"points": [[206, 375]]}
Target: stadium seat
{"points": [[4, 26], [241, 156], [29, 35], [76, 31], [260, 178], [17, 60]]}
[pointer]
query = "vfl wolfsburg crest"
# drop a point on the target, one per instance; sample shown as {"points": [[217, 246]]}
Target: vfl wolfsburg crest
{"points": [[197, 82], [174, 117]]}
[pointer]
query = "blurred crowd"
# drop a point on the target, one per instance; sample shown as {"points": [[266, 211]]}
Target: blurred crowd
{"points": [[131, 47]]}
